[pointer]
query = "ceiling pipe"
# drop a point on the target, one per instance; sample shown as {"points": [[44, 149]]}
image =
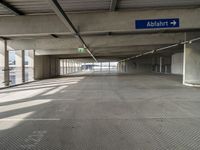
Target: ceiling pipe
{"points": [[163, 48]]}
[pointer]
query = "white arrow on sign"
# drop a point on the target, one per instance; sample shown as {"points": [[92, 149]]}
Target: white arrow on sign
{"points": [[173, 23]]}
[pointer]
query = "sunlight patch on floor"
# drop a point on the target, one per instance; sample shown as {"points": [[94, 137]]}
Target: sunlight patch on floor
{"points": [[55, 90], [23, 105], [6, 124], [21, 95]]}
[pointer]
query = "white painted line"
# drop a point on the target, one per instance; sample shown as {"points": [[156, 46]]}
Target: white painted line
{"points": [[39, 119]]}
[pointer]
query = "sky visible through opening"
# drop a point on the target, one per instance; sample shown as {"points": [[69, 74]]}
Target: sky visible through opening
{"points": [[12, 58]]}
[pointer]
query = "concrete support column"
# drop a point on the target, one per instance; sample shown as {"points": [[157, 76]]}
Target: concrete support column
{"points": [[72, 66], [76, 66], [119, 66], [127, 63], [23, 66], [157, 68], [165, 69], [4, 64], [31, 61], [67, 66], [20, 66], [124, 63], [161, 63], [64, 66], [75, 62], [109, 66], [191, 67], [79, 66], [101, 67], [2, 57], [124, 66]]}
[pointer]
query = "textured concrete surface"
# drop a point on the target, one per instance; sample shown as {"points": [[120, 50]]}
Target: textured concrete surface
{"points": [[177, 63], [125, 112], [191, 65]]}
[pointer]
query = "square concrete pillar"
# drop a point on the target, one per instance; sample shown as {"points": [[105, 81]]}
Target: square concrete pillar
{"points": [[70, 66], [191, 67], [20, 66], [101, 67], [124, 66], [161, 64], [109, 66], [4, 63], [30, 68], [73, 66], [120, 67], [64, 66]]}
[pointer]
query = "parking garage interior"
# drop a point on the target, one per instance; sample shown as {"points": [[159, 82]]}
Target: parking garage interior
{"points": [[99, 75]]}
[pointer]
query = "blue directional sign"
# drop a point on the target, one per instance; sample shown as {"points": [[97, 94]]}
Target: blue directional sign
{"points": [[157, 23]]}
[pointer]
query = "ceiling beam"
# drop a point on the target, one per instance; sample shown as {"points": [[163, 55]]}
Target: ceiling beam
{"points": [[67, 22], [11, 8], [96, 23], [97, 42], [113, 5]]}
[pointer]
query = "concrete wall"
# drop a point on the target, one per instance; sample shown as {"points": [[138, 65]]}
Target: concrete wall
{"points": [[136, 66], [177, 63], [192, 64], [46, 67], [161, 64], [166, 66]]}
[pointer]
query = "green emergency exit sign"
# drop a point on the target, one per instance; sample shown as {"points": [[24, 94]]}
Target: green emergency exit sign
{"points": [[81, 50]]}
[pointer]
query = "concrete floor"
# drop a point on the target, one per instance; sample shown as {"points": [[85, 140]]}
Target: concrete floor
{"points": [[125, 112]]}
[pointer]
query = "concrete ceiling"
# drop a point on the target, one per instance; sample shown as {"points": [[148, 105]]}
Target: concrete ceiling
{"points": [[32, 24], [41, 6]]}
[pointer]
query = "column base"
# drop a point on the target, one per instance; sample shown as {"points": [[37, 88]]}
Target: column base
{"points": [[191, 84]]}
